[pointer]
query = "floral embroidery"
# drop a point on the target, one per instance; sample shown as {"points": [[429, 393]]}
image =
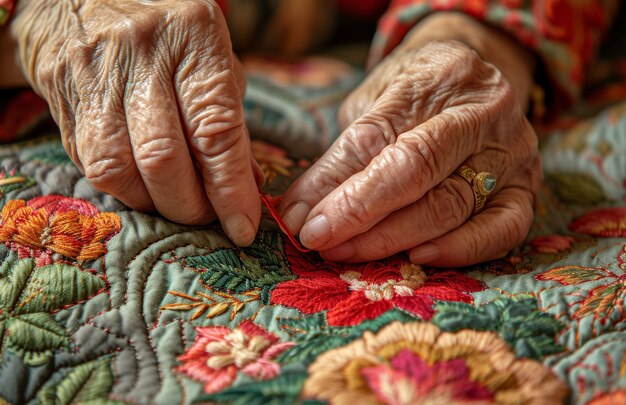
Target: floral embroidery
{"points": [[601, 301], [416, 363], [605, 222], [353, 293], [613, 398], [203, 303], [29, 298], [273, 160], [13, 181], [260, 266], [220, 352], [56, 224], [551, 244]]}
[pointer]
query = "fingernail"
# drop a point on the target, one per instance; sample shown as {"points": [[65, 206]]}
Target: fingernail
{"points": [[295, 215], [426, 253], [316, 232], [342, 252], [239, 229]]}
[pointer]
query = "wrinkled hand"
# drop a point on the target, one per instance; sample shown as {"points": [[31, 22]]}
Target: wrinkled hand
{"points": [[148, 98], [387, 184]]}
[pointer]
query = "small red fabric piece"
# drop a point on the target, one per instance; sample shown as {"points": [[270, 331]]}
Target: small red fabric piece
{"points": [[269, 203]]}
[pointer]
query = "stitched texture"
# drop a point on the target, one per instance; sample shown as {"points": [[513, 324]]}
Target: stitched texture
{"points": [[102, 304]]}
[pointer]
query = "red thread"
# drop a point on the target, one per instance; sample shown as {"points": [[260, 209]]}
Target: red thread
{"points": [[281, 224]]}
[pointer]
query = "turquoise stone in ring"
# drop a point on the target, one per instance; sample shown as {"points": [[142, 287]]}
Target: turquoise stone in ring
{"points": [[485, 182]]}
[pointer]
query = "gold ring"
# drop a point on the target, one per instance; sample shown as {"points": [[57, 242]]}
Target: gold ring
{"points": [[482, 184]]}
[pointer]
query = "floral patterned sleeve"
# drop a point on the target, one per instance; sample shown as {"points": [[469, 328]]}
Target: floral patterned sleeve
{"points": [[5, 9], [565, 34]]}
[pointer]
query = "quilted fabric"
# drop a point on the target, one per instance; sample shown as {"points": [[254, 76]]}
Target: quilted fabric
{"points": [[102, 304]]}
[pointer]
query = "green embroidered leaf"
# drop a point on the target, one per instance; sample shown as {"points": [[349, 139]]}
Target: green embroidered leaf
{"points": [[28, 296], [87, 382], [518, 320], [53, 287], [25, 288], [262, 265], [572, 275], [53, 154], [282, 390], [314, 337], [35, 337], [577, 188], [14, 275], [376, 324]]}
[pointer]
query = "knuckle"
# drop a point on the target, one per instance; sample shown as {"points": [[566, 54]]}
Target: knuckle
{"points": [[421, 156], [449, 208], [211, 141], [383, 123], [138, 30], [109, 173], [351, 210], [363, 142], [199, 11], [157, 154]]}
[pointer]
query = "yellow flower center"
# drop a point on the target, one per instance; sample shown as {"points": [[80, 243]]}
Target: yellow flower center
{"points": [[237, 348]]}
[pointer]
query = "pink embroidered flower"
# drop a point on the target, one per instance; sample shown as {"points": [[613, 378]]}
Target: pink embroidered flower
{"points": [[551, 243], [417, 363], [604, 222], [408, 379], [220, 352], [354, 293]]}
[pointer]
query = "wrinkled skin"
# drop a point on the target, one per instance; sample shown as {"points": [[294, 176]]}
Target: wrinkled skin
{"points": [[148, 98], [387, 184]]}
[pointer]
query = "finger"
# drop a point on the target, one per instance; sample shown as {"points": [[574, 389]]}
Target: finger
{"points": [[211, 108], [442, 209], [259, 176], [353, 151], [401, 174], [383, 113], [105, 152], [161, 153], [489, 235]]}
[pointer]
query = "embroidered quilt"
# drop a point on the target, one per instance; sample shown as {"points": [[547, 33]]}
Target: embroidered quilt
{"points": [[101, 304]]}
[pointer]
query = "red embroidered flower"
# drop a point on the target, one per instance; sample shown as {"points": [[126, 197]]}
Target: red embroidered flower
{"points": [[551, 243], [604, 222], [354, 293], [220, 352], [53, 224]]}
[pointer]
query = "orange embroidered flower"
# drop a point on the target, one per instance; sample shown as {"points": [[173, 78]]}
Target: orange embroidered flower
{"points": [[416, 363], [55, 224], [273, 160]]}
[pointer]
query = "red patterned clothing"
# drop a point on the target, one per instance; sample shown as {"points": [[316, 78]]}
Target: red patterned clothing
{"points": [[5, 9], [565, 34]]}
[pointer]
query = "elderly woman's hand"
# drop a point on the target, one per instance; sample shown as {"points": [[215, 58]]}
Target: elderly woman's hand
{"points": [[388, 185], [148, 98]]}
